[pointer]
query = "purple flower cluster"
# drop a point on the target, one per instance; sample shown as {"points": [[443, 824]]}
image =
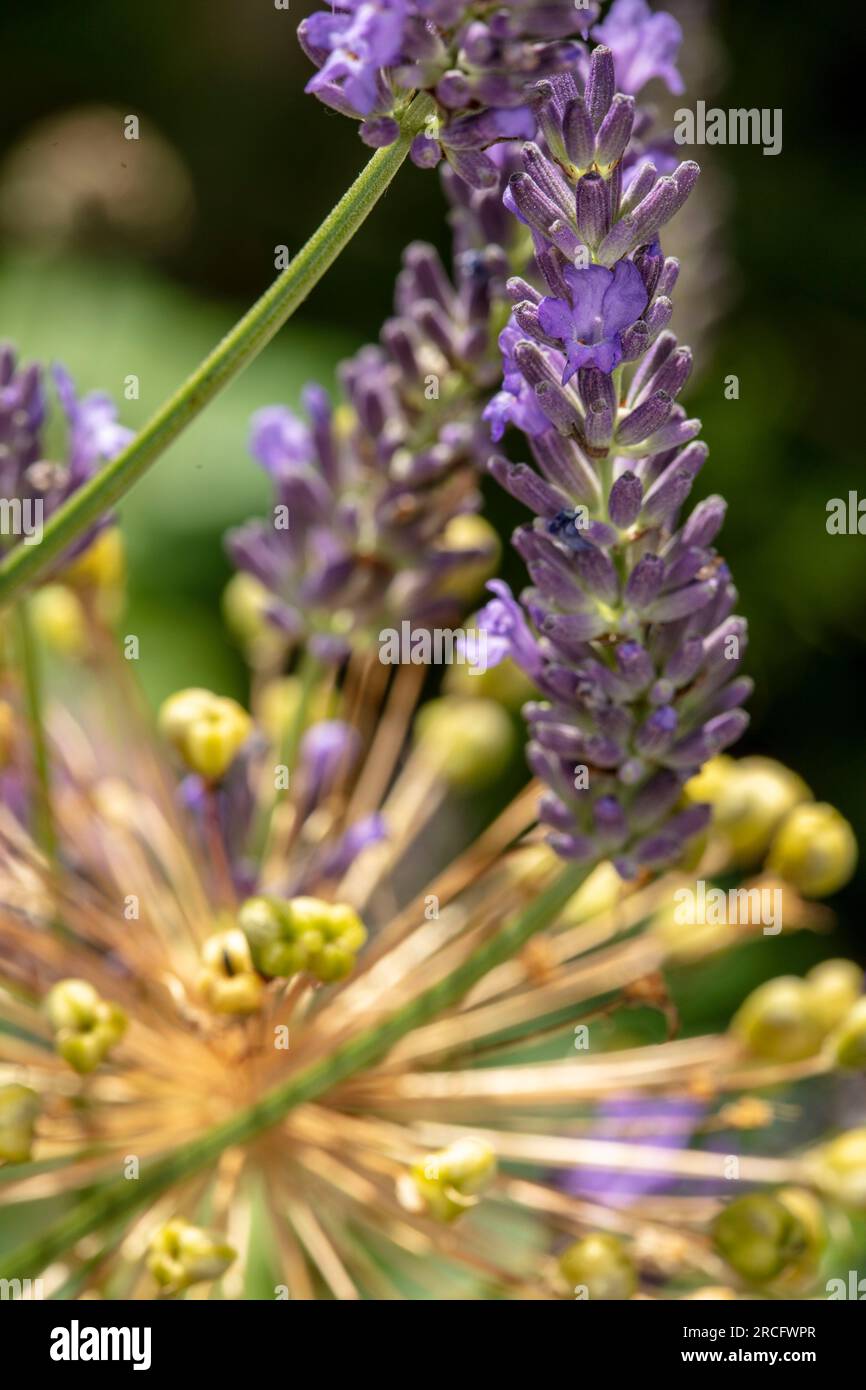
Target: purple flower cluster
{"points": [[364, 494], [477, 62], [628, 629], [329, 751], [93, 435]]}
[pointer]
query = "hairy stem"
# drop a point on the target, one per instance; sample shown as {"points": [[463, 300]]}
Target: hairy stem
{"points": [[240, 346], [118, 1198]]}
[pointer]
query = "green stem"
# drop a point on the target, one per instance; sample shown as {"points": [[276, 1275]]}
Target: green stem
{"points": [[121, 1197], [308, 674], [44, 818], [27, 563]]}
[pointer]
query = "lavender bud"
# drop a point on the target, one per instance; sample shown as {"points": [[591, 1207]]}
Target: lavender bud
{"points": [[454, 90], [705, 522], [424, 152], [669, 276], [548, 178], [657, 733], [600, 85], [578, 134], [622, 236], [685, 662], [615, 130], [557, 407], [610, 822], [644, 420], [645, 581], [635, 341], [640, 186], [524, 484], [667, 493], [534, 206], [625, 499], [593, 208], [657, 208], [634, 666], [682, 603]]}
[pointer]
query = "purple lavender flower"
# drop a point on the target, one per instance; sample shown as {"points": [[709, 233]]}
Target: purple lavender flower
{"points": [[22, 414], [508, 633], [336, 859], [329, 751], [627, 630], [516, 403], [93, 436], [360, 38], [477, 65], [590, 322], [661, 1123], [361, 509], [644, 45], [95, 433]]}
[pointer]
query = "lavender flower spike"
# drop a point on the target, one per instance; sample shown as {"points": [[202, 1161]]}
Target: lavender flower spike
{"points": [[93, 436], [627, 629], [476, 63], [369, 524]]}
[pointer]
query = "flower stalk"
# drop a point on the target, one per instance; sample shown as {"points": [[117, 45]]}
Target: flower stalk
{"points": [[44, 818], [23, 566]]}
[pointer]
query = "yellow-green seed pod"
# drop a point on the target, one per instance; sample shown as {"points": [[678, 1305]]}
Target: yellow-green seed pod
{"points": [[244, 603], [446, 1184], [19, 1107], [470, 532], [469, 742], [806, 1208], [260, 921], [598, 1267], [711, 785], [102, 565], [601, 892], [7, 733], [760, 1237], [73, 1004], [838, 1168], [180, 1255], [179, 711], [778, 1021], [685, 941], [207, 730], [761, 793], [302, 933], [835, 986], [213, 742], [848, 1042], [814, 849], [228, 980], [505, 683], [59, 620], [86, 1026]]}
